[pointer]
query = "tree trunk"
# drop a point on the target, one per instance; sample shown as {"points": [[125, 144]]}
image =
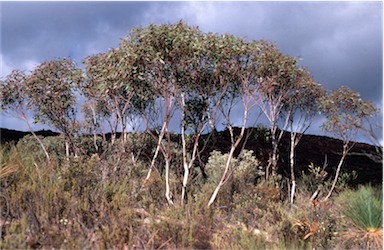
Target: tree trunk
{"points": [[38, 139], [42, 146], [94, 128], [274, 153], [292, 163], [345, 151], [67, 149], [224, 177], [167, 188], [189, 166], [185, 182], [156, 152], [185, 165]]}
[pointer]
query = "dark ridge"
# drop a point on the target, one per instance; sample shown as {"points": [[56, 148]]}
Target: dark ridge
{"points": [[9, 135], [365, 159]]}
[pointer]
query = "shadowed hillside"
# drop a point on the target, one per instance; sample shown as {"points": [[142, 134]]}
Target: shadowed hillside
{"points": [[363, 158], [101, 199]]}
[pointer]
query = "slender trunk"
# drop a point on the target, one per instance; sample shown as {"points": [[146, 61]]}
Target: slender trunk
{"points": [[38, 140], [224, 177], [226, 173], [185, 164], [156, 152], [167, 150], [123, 127], [113, 128], [189, 166], [185, 182], [94, 128], [42, 146], [67, 149], [167, 188], [292, 163], [274, 152], [104, 137], [345, 151], [124, 132], [95, 141]]}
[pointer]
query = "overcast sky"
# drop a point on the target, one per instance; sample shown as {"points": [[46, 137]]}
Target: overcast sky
{"points": [[340, 42]]}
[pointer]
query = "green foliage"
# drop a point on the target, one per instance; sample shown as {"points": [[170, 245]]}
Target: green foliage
{"points": [[12, 94], [98, 199], [345, 180], [246, 167], [362, 211], [313, 179], [50, 90], [316, 180], [263, 134], [345, 112], [249, 169], [103, 202], [215, 165], [364, 207], [55, 146]]}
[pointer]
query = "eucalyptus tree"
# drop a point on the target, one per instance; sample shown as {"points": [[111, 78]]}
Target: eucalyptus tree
{"points": [[13, 100], [236, 74], [189, 60], [345, 112], [276, 77], [51, 95], [301, 108], [96, 112], [99, 107], [207, 82], [171, 55], [112, 80]]}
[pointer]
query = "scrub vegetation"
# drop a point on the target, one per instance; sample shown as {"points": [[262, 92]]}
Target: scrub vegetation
{"points": [[96, 185]]}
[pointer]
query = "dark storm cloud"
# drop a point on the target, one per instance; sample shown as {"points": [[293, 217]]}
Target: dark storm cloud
{"points": [[45, 30], [340, 42]]}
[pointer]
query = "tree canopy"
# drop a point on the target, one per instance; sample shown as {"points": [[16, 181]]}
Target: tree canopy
{"points": [[159, 70]]}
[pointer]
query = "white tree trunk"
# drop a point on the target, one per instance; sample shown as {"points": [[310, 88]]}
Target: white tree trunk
{"points": [[345, 151], [185, 165], [234, 145], [292, 164], [156, 152], [167, 188], [224, 177], [67, 149]]}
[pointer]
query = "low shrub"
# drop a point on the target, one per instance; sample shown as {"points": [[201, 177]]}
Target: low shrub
{"points": [[363, 209], [103, 201]]}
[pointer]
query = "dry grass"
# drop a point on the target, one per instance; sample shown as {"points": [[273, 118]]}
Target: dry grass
{"points": [[356, 238], [98, 203], [7, 170]]}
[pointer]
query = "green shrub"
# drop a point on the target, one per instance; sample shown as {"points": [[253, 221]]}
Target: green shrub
{"points": [[364, 207], [32, 151], [263, 134]]}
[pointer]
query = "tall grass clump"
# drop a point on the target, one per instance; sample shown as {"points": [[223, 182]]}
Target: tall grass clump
{"points": [[364, 210]]}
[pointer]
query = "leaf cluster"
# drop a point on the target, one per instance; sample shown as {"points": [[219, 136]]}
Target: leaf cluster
{"points": [[345, 112]]}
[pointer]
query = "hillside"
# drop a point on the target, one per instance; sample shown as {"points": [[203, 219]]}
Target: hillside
{"points": [[363, 158], [104, 201], [8, 135]]}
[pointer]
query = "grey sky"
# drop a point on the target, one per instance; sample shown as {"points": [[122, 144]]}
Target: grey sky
{"points": [[340, 42]]}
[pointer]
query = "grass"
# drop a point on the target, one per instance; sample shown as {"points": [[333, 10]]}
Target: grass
{"points": [[364, 210], [96, 202]]}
